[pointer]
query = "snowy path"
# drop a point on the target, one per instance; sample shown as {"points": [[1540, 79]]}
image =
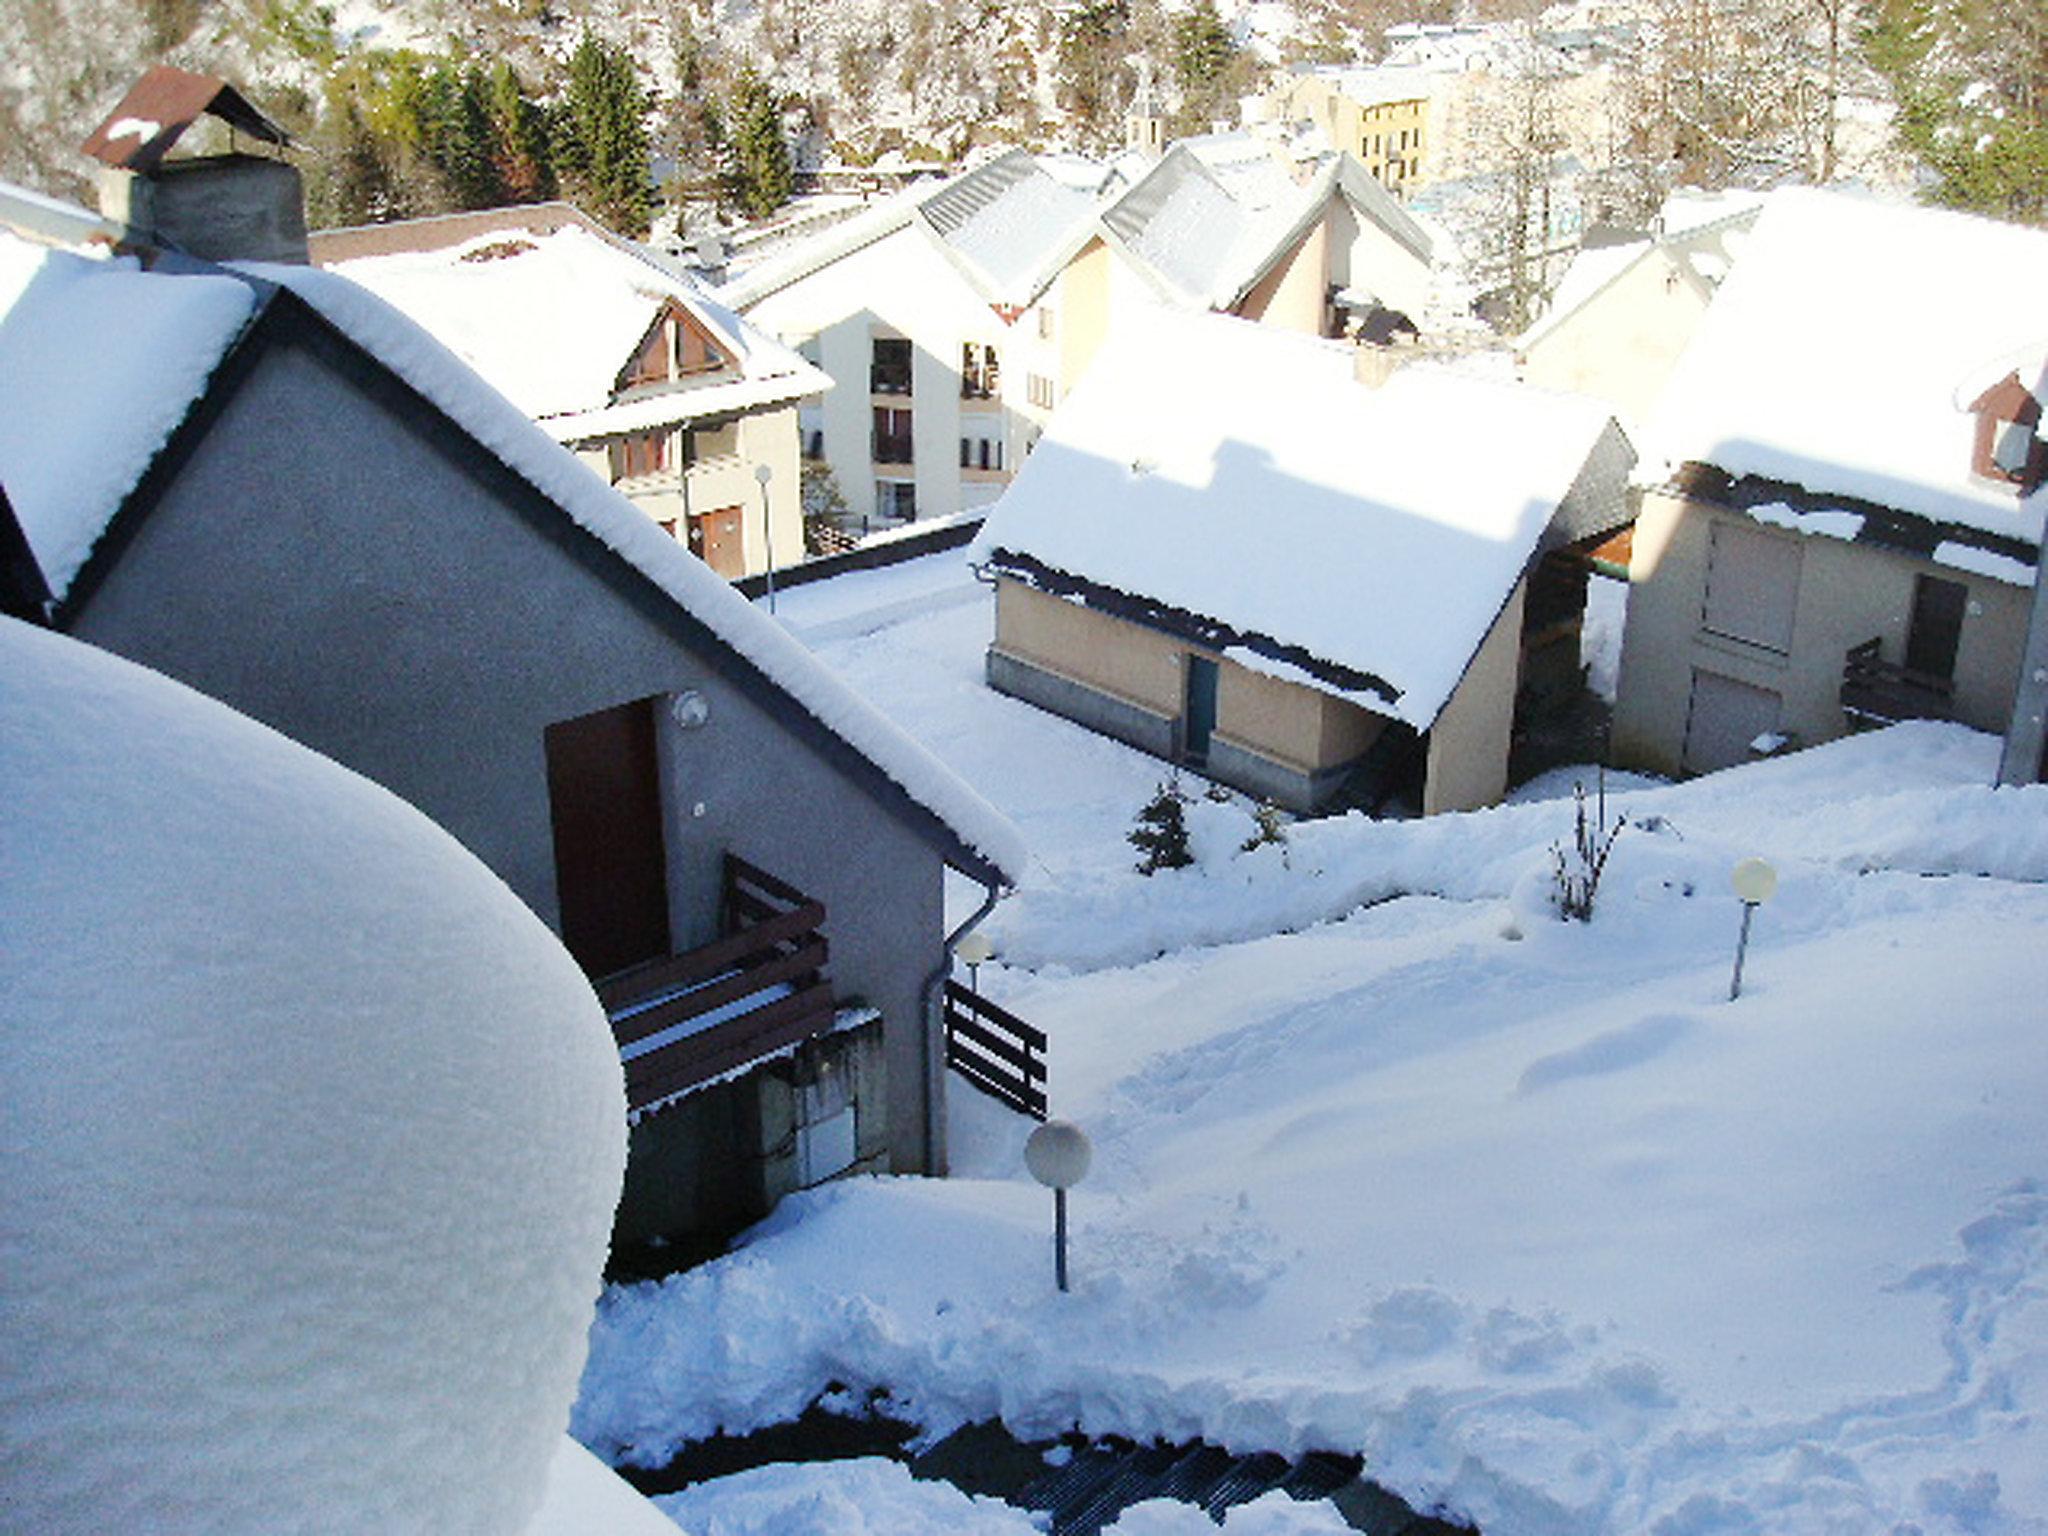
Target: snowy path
{"points": [[1527, 1211]]}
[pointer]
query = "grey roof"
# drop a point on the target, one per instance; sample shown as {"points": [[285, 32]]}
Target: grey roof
{"points": [[1187, 230], [1373, 201], [1011, 223]]}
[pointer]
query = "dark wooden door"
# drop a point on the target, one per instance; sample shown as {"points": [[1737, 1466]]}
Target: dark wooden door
{"points": [[715, 538], [1199, 716], [611, 869], [1937, 628]]}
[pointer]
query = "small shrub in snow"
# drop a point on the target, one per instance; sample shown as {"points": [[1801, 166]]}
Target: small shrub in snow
{"points": [[1576, 875], [1269, 825], [1161, 834]]}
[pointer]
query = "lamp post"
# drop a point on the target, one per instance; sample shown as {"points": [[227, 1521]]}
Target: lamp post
{"points": [[762, 475], [1755, 882], [975, 951], [1058, 1154]]}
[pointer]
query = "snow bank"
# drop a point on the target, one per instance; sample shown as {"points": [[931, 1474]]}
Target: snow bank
{"points": [[869, 1497], [313, 1134], [99, 363]]}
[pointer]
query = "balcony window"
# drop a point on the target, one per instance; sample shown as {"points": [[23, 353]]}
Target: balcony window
{"points": [[892, 436], [896, 498], [644, 453], [980, 372], [889, 374], [720, 440]]}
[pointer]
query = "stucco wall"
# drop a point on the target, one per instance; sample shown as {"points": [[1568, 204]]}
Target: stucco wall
{"points": [[765, 437], [1622, 344], [1299, 730], [1847, 594], [1084, 307], [1468, 744], [365, 589], [1290, 297], [1363, 255]]}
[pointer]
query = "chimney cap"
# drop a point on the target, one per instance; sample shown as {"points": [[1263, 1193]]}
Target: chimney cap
{"points": [[160, 106]]}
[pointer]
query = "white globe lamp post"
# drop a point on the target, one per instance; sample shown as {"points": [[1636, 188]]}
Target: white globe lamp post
{"points": [[1058, 1154], [1755, 883]]}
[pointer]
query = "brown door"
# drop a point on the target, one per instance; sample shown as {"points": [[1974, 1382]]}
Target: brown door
{"points": [[611, 870], [715, 539]]}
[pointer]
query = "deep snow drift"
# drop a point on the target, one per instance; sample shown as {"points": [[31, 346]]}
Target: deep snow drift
{"points": [[1389, 1158], [313, 1134]]}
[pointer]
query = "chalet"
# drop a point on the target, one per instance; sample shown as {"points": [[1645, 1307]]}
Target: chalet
{"points": [[1845, 528], [687, 409], [1236, 553], [270, 484]]}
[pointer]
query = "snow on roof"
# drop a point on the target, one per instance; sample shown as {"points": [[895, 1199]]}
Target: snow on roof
{"points": [[1242, 474], [415, 356], [551, 319], [1834, 353], [99, 363], [1591, 270], [1012, 223], [1203, 242], [308, 1180], [1689, 209], [1373, 87]]}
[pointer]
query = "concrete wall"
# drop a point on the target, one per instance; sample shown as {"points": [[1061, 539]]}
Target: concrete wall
{"points": [[366, 589], [1622, 345], [1468, 744], [1847, 594]]}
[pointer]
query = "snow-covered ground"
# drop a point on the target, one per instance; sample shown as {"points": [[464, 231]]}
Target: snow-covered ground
{"points": [[1391, 1159]]}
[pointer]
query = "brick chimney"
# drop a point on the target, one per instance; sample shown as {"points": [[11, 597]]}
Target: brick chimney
{"points": [[225, 207]]}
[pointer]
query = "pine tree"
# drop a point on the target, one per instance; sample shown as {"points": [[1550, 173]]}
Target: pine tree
{"points": [[1202, 56], [758, 173], [600, 138], [519, 138], [1161, 834]]}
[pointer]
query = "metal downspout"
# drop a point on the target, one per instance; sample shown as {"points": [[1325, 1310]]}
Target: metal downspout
{"points": [[935, 1033]]}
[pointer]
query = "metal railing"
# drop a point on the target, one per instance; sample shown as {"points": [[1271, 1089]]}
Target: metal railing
{"points": [[1877, 690]]}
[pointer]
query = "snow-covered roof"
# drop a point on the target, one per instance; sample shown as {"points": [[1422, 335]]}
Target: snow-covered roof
{"points": [[1012, 224], [1242, 474], [551, 320], [501, 427], [1372, 86], [1593, 269], [1841, 352], [1204, 237], [309, 1178], [99, 363]]}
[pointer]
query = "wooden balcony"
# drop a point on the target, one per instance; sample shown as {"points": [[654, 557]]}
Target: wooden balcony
{"points": [[761, 986], [1877, 692], [995, 1051]]}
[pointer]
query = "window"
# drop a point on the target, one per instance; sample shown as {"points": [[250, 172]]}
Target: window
{"points": [[1040, 391], [981, 452], [814, 443], [1936, 632], [896, 498], [892, 436], [890, 372], [644, 453], [650, 363], [1045, 322], [980, 372], [1752, 586]]}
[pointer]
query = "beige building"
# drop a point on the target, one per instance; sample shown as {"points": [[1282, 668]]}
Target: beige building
{"points": [[1381, 116], [1233, 553], [1628, 305], [1847, 529], [688, 410]]}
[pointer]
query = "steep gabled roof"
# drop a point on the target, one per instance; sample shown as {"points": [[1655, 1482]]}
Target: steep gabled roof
{"points": [[1011, 225], [1362, 540], [87, 415]]}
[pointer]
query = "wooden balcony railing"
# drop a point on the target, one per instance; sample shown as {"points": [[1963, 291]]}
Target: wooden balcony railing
{"points": [[995, 1051], [1878, 691], [761, 986]]}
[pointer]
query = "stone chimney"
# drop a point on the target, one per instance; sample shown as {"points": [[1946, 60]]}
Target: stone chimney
{"points": [[225, 207]]}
